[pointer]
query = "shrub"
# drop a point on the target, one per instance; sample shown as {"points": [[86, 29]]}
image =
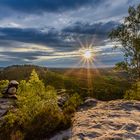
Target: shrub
{"points": [[134, 92], [3, 85], [71, 105], [37, 113]]}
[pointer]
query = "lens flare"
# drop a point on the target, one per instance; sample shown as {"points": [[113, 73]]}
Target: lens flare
{"points": [[87, 54]]}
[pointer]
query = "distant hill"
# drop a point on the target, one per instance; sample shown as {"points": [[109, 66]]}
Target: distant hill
{"points": [[19, 72], [103, 84], [83, 73]]}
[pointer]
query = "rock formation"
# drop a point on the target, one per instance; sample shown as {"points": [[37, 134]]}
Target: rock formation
{"points": [[5, 105], [97, 120]]}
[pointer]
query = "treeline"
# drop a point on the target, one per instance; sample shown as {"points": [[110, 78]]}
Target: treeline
{"points": [[20, 72], [104, 86]]}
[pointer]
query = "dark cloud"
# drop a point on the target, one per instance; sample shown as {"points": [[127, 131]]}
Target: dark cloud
{"points": [[45, 5], [66, 38], [22, 55], [63, 41], [29, 35], [100, 29]]}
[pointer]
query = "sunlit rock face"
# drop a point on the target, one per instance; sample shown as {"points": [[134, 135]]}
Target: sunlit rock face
{"points": [[98, 120]]}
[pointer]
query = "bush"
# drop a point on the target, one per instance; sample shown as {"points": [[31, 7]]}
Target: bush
{"points": [[134, 92], [3, 85], [54, 80], [37, 113], [71, 105], [107, 92]]}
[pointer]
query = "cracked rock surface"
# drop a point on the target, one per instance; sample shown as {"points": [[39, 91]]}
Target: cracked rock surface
{"points": [[97, 120]]}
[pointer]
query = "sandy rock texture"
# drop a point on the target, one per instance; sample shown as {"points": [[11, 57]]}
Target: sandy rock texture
{"points": [[97, 120], [5, 105]]}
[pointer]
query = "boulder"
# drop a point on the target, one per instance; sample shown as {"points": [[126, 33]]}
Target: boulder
{"points": [[88, 103], [62, 99]]}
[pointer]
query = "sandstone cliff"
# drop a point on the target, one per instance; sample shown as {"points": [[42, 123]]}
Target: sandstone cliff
{"points": [[97, 120]]}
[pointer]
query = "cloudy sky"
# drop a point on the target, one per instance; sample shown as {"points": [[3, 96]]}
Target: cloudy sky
{"points": [[51, 32]]}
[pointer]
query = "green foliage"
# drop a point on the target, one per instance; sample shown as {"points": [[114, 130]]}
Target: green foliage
{"points": [[71, 105], [34, 77], [121, 66], [108, 88], [106, 84], [21, 72], [127, 34], [134, 92], [54, 79], [37, 113], [44, 123], [3, 85]]}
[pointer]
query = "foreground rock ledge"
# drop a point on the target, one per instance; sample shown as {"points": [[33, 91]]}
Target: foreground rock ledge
{"points": [[96, 120]]}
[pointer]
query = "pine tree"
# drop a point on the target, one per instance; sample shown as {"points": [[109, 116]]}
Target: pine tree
{"points": [[34, 77]]}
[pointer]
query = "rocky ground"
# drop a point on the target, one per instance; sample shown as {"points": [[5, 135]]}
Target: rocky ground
{"points": [[5, 105], [96, 120]]}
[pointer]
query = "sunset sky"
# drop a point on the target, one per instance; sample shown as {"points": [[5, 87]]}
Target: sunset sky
{"points": [[50, 32]]}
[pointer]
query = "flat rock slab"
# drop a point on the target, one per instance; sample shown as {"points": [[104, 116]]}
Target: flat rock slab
{"points": [[5, 105], [113, 120]]}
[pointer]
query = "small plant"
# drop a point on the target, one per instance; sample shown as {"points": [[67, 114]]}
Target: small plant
{"points": [[3, 85], [134, 92], [71, 105]]}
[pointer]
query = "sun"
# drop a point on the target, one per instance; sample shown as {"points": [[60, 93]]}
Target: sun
{"points": [[87, 54]]}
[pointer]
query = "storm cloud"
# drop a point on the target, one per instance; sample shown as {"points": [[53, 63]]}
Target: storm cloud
{"points": [[54, 38], [50, 32], [39, 6], [100, 29]]}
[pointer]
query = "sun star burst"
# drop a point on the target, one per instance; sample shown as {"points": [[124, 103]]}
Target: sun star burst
{"points": [[87, 54]]}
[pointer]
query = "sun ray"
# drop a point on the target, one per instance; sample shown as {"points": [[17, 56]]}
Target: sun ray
{"points": [[87, 62]]}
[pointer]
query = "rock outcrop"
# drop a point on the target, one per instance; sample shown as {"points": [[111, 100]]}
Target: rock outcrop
{"points": [[5, 105], [96, 120]]}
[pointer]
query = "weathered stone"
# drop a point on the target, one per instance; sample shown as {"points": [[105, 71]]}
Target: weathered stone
{"points": [[113, 120], [5, 105], [62, 99]]}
